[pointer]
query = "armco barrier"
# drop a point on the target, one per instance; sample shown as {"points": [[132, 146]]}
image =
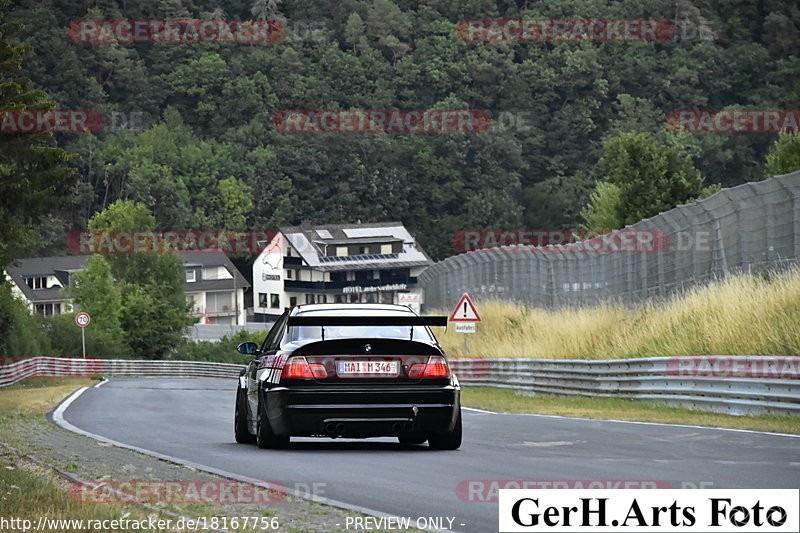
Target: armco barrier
{"points": [[774, 389], [67, 366], [652, 378]]}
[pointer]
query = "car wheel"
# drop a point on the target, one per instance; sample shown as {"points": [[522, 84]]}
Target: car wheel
{"points": [[448, 441], [240, 431], [412, 438], [265, 438]]}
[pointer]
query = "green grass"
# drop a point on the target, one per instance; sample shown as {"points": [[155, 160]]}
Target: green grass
{"points": [[38, 396], [508, 401], [744, 315], [30, 494]]}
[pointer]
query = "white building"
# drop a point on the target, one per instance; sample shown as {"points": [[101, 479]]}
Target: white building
{"points": [[338, 263], [212, 283]]}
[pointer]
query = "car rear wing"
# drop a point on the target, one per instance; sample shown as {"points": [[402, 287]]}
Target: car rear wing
{"points": [[367, 321], [377, 320]]}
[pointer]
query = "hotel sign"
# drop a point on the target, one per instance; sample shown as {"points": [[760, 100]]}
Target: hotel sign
{"points": [[354, 289]]}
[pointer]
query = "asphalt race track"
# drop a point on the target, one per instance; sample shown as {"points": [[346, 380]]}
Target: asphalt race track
{"points": [[192, 420]]}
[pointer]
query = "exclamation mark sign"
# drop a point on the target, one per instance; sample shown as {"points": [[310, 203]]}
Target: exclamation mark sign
{"points": [[465, 309]]}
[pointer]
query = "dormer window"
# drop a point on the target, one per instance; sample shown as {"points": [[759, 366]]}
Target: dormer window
{"points": [[190, 275], [37, 282]]}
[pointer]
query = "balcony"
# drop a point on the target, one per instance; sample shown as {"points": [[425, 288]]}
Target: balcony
{"points": [[222, 310]]}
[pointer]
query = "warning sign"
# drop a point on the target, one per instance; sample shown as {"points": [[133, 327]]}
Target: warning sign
{"points": [[465, 311]]}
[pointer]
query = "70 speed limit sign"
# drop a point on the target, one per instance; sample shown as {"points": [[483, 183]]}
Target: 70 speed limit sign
{"points": [[83, 319]]}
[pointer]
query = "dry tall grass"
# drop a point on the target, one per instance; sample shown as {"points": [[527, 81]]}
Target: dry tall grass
{"points": [[744, 315]]}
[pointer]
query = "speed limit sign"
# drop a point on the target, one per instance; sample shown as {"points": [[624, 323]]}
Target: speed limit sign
{"points": [[83, 319]]}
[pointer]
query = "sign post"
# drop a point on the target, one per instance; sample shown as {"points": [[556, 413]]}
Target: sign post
{"points": [[83, 319], [465, 315]]}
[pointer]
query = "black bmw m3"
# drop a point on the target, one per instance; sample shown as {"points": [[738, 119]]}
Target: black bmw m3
{"points": [[349, 370]]}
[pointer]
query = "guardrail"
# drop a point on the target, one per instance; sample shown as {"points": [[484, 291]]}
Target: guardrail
{"points": [[66, 366], [728, 384]]}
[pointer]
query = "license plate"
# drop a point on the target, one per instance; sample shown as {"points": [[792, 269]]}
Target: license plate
{"points": [[367, 368]]}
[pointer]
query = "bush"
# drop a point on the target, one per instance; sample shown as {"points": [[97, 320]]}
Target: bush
{"points": [[65, 339], [20, 333], [223, 351]]}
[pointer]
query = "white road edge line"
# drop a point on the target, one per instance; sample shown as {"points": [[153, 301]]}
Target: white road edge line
{"points": [[102, 382], [636, 422], [58, 418]]}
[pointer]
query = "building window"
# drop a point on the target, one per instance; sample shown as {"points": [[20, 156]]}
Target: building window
{"points": [[337, 299], [37, 282], [353, 298], [322, 298], [309, 298], [290, 274], [274, 301], [262, 299], [48, 309], [386, 249], [341, 251], [288, 251], [363, 250], [292, 301], [190, 275], [218, 302]]}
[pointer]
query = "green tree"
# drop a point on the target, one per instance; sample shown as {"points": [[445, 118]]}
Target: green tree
{"points": [[21, 333], [154, 311], [233, 204], [784, 156], [34, 177], [354, 33], [605, 210], [95, 292], [648, 177]]}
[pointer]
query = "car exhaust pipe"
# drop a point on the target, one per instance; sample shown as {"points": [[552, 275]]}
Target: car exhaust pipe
{"points": [[408, 427], [330, 428], [397, 427], [340, 429]]}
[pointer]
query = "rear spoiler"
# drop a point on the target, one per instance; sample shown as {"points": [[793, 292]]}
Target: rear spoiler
{"points": [[367, 321]]}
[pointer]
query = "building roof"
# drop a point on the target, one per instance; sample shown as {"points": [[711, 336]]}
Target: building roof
{"points": [[309, 241], [212, 259], [62, 266]]}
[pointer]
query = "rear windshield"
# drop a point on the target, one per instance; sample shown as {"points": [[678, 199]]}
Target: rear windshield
{"points": [[303, 333]]}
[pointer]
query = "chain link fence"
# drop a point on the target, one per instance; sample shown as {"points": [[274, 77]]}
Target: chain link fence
{"points": [[747, 228]]}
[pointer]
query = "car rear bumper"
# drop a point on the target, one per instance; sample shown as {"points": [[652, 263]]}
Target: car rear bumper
{"points": [[359, 412]]}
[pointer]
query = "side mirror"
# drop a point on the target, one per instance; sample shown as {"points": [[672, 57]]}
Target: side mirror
{"points": [[247, 348]]}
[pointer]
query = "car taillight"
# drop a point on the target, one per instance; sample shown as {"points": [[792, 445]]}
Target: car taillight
{"points": [[436, 367], [300, 368]]}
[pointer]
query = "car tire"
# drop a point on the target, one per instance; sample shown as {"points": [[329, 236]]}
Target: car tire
{"points": [[240, 431], [265, 437], [448, 441], [412, 438]]}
